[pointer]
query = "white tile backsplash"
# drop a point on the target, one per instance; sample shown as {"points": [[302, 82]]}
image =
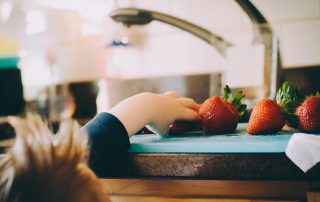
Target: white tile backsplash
{"points": [[242, 63], [181, 53], [124, 3], [83, 57], [157, 5], [214, 15], [167, 50], [286, 10], [301, 43], [171, 54]]}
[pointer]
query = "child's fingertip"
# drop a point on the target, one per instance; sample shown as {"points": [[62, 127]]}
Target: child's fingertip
{"points": [[172, 94], [191, 115]]}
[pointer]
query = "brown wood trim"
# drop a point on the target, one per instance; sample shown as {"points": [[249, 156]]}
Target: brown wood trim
{"points": [[159, 199], [313, 196], [292, 190]]}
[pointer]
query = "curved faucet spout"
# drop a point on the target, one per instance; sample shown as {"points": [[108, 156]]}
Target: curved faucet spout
{"points": [[134, 16], [263, 34]]}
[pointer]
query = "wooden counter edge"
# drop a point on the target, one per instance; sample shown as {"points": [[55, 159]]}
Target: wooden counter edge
{"points": [[242, 189]]}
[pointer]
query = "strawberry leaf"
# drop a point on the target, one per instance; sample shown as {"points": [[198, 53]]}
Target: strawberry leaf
{"points": [[227, 94], [235, 100], [241, 109], [288, 97], [316, 94]]}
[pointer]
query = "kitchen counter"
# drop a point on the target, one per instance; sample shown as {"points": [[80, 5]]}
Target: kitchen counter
{"points": [[216, 168], [234, 156], [212, 166], [166, 167]]}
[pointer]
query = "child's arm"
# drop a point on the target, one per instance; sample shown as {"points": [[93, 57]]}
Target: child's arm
{"points": [[109, 131], [155, 110]]}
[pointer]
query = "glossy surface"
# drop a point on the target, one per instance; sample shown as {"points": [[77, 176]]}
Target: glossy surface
{"points": [[198, 142]]}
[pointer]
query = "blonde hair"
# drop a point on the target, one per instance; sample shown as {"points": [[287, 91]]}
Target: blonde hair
{"points": [[42, 166]]}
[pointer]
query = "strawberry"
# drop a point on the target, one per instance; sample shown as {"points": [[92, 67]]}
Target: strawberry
{"points": [[179, 127], [268, 116], [309, 114], [221, 115]]}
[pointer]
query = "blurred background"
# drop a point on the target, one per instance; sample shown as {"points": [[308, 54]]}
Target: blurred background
{"points": [[72, 60]]}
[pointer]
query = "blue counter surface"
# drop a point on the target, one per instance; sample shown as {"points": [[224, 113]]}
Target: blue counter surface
{"points": [[197, 142]]}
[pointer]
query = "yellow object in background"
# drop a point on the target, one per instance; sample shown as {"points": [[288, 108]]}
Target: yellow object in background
{"points": [[8, 47], [11, 90]]}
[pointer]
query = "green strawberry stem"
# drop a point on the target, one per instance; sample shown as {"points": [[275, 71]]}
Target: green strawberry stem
{"points": [[316, 94], [288, 97], [235, 100]]}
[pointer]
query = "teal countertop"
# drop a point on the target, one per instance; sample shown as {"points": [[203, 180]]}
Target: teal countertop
{"points": [[237, 156], [197, 142]]}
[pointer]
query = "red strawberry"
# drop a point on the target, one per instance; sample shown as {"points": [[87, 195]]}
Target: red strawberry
{"points": [[221, 115], [180, 127], [309, 115], [267, 117]]}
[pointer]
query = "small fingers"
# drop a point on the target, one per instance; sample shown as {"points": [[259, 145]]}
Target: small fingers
{"points": [[189, 103], [172, 94], [189, 115]]}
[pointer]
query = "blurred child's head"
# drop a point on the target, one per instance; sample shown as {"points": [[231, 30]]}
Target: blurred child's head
{"points": [[42, 167]]}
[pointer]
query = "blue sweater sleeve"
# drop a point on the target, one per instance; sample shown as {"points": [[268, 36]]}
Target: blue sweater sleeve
{"points": [[108, 141]]}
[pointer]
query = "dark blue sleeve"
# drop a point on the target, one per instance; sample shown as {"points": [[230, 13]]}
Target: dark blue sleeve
{"points": [[108, 141]]}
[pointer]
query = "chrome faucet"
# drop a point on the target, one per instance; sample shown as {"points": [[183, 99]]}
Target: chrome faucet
{"points": [[272, 67], [135, 16]]}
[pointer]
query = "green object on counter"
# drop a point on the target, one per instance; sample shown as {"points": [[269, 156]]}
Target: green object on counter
{"points": [[197, 142], [9, 62], [11, 89]]}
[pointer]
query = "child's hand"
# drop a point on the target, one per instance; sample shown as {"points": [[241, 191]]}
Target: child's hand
{"points": [[156, 110]]}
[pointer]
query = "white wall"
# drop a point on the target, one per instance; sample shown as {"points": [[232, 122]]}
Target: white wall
{"points": [[297, 24], [159, 49], [167, 50]]}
